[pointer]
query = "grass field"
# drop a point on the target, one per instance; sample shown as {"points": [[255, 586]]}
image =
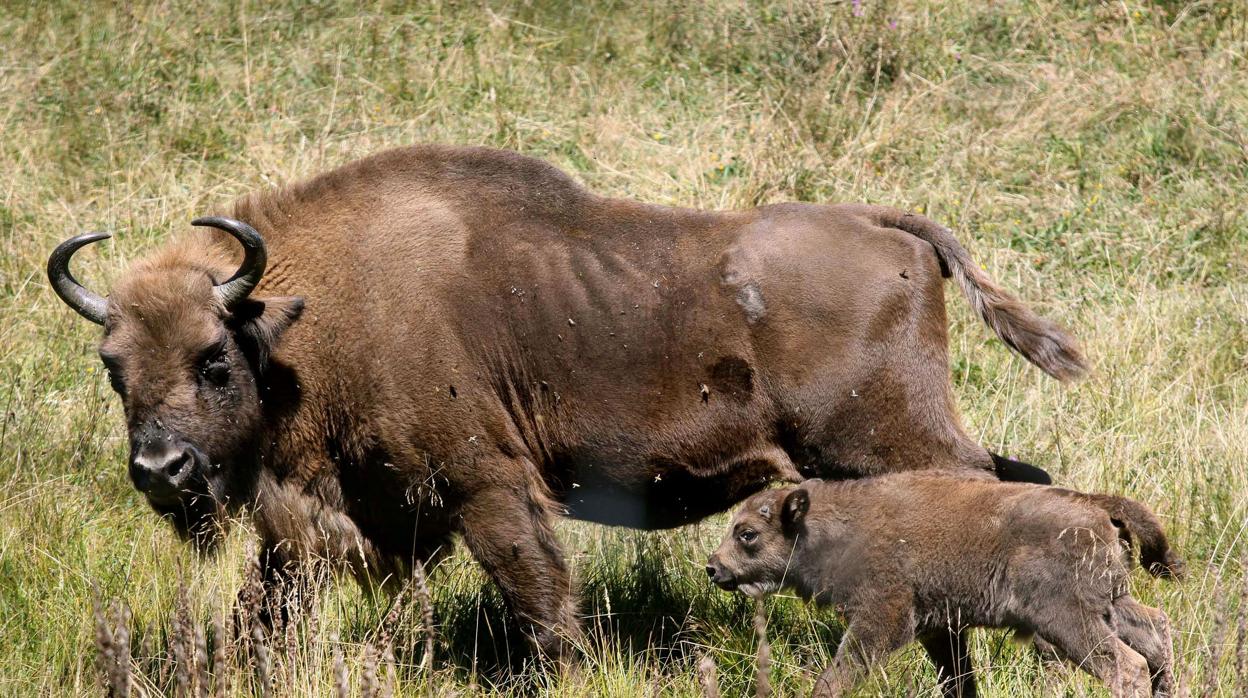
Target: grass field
{"points": [[1093, 157]]}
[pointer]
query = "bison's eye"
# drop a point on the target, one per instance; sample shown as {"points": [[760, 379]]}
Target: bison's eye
{"points": [[215, 368], [113, 368], [114, 379], [748, 536]]}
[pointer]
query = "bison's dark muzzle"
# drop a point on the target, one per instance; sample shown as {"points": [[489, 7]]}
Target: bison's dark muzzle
{"points": [[162, 469]]}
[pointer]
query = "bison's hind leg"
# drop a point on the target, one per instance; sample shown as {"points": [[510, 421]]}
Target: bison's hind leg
{"points": [[508, 527]]}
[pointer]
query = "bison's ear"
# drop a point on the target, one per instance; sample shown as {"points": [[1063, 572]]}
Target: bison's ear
{"points": [[259, 323], [796, 504]]}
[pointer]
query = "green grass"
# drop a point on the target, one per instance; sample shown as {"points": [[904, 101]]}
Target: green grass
{"points": [[1093, 156]]}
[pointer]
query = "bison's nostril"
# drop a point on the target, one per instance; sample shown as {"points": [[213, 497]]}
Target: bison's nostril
{"points": [[158, 470], [710, 571], [177, 464]]}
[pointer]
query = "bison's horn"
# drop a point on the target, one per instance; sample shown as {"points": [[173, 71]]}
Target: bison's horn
{"points": [[92, 306], [255, 257]]}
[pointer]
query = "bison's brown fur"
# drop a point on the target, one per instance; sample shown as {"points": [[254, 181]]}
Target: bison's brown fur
{"points": [[927, 555], [464, 341]]}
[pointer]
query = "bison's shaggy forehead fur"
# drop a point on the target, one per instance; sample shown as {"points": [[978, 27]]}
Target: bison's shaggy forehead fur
{"points": [[164, 303], [486, 344]]}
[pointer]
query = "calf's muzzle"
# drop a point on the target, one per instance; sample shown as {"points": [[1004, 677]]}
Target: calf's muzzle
{"points": [[718, 575]]}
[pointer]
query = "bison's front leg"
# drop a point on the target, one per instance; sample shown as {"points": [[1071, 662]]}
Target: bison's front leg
{"points": [[276, 590], [509, 529]]}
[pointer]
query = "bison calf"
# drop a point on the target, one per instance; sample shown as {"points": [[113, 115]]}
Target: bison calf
{"points": [[925, 556]]}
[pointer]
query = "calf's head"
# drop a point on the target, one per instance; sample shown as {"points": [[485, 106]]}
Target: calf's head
{"points": [[185, 352], [755, 553]]}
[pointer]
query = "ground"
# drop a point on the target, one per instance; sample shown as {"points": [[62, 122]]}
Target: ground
{"points": [[1090, 155]]}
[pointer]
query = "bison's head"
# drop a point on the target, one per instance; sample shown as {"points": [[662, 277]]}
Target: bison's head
{"points": [[755, 553], [186, 352]]}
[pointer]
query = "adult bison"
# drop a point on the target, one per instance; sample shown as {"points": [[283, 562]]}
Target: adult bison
{"points": [[436, 341]]}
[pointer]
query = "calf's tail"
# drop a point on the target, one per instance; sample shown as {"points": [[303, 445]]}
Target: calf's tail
{"points": [[1142, 525], [1040, 341]]}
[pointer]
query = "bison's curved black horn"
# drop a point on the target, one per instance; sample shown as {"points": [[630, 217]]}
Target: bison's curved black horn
{"points": [[255, 257], [92, 306]]}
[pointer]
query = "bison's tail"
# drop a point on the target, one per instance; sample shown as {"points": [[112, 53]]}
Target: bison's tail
{"points": [[1040, 341], [1142, 525]]}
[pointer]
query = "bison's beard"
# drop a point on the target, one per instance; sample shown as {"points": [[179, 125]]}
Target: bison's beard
{"points": [[201, 516], [198, 519]]}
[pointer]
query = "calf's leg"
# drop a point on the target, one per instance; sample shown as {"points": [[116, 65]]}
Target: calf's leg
{"points": [[508, 528], [1049, 657], [950, 653], [1092, 645], [881, 628], [1147, 631]]}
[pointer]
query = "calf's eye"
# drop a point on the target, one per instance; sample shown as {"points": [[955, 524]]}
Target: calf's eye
{"points": [[748, 536]]}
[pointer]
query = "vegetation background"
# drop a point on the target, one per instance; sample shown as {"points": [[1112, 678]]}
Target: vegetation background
{"points": [[1092, 155]]}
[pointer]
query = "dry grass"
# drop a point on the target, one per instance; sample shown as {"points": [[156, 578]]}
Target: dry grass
{"points": [[1091, 155]]}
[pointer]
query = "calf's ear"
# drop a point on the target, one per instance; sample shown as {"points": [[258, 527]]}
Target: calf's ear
{"points": [[796, 504], [260, 322]]}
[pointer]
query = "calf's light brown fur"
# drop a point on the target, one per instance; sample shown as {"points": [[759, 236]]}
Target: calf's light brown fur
{"points": [[925, 555]]}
